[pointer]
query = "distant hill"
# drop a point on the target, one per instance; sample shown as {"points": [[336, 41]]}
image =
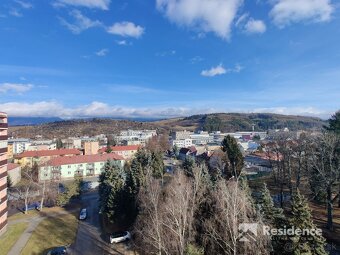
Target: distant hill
{"points": [[225, 122], [229, 122], [23, 121], [81, 127]]}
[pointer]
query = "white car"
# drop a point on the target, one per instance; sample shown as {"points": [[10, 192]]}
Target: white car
{"points": [[120, 237], [83, 214]]}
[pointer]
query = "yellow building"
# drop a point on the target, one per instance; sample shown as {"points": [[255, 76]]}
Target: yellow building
{"points": [[10, 151]]}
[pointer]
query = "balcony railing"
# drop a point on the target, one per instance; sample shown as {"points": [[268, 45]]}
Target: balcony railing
{"points": [[3, 187], [3, 150], [3, 175], [3, 137], [3, 212], [3, 162], [3, 224], [3, 125]]}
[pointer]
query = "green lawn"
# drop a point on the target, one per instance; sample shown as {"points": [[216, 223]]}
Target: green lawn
{"points": [[8, 239], [52, 232]]}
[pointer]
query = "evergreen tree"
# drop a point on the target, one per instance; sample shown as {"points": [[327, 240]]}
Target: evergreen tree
{"points": [[272, 215], [157, 164], [59, 144], [112, 191], [9, 182], [302, 219], [188, 166], [235, 160], [334, 123]]}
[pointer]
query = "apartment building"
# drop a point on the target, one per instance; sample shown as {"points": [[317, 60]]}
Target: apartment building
{"points": [[91, 148], [30, 157], [183, 143], [3, 172], [19, 145], [181, 135], [64, 168]]}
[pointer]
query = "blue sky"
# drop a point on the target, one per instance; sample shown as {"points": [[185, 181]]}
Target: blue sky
{"points": [[167, 58]]}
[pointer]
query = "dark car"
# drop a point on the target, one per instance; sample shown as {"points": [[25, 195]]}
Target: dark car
{"points": [[33, 206], [57, 251]]}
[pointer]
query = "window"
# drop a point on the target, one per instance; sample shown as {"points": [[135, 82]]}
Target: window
{"points": [[69, 172], [69, 166]]}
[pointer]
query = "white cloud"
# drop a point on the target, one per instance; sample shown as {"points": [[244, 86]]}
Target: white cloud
{"points": [[122, 42], [126, 29], [98, 4], [24, 5], [15, 12], [15, 87], [255, 27], [102, 52], [100, 109], [285, 12], [219, 70], [215, 16], [81, 22]]}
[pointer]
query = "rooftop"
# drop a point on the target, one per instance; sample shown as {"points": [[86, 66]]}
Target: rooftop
{"points": [[121, 148], [11, 166], [42, 153], [83, 159]]}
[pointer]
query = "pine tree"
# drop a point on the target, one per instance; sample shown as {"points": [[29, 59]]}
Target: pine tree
{"points": [[188, 166], [112, 190], [302, 219], [234, 155], [273, 215], [334, 123]]}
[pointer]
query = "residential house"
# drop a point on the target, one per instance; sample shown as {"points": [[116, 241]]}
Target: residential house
{"points": [[187, 152]]}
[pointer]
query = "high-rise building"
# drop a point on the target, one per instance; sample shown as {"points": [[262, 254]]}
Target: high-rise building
{"points": [[3, 172]]}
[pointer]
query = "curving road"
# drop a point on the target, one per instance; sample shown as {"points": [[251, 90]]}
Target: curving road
{"points": [[90, 240]]}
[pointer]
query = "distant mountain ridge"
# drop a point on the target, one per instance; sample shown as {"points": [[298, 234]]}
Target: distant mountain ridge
{"points": [[27, 121], [225, 122], [23, 121]]}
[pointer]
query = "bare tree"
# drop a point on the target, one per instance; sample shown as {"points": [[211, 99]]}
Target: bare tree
{"points": [[165, 224], [232, 207], [325, 169]]}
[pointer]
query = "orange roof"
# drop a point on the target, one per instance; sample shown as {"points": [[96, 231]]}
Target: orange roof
{"points": [[58, 161], [121, 148], [11, 166], [42, 153]]}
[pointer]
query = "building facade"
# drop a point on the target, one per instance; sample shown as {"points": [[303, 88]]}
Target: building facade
{"points": [[91, 148], [14, 172], [3, 172], [64, 168]]}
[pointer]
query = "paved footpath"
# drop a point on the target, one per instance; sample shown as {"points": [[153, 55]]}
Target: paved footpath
{"points": [[25, 236]]}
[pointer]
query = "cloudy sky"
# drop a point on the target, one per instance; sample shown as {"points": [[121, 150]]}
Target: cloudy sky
{"points": [[166, 58]]}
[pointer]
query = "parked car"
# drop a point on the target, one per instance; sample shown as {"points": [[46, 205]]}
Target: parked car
{"points": [[83, 214], [57, 251], [33, 206], [119, 237]]}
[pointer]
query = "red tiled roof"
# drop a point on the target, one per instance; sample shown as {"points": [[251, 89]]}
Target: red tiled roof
{"points": [[83, 159], [42, 153], [11, 166], [121, 148]]}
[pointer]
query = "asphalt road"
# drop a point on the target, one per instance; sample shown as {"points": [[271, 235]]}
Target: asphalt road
{"points": [[90, 240]]}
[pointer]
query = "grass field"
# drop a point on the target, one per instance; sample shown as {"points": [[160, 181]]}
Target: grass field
{"points": [[52, 232], [11, 236]]}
